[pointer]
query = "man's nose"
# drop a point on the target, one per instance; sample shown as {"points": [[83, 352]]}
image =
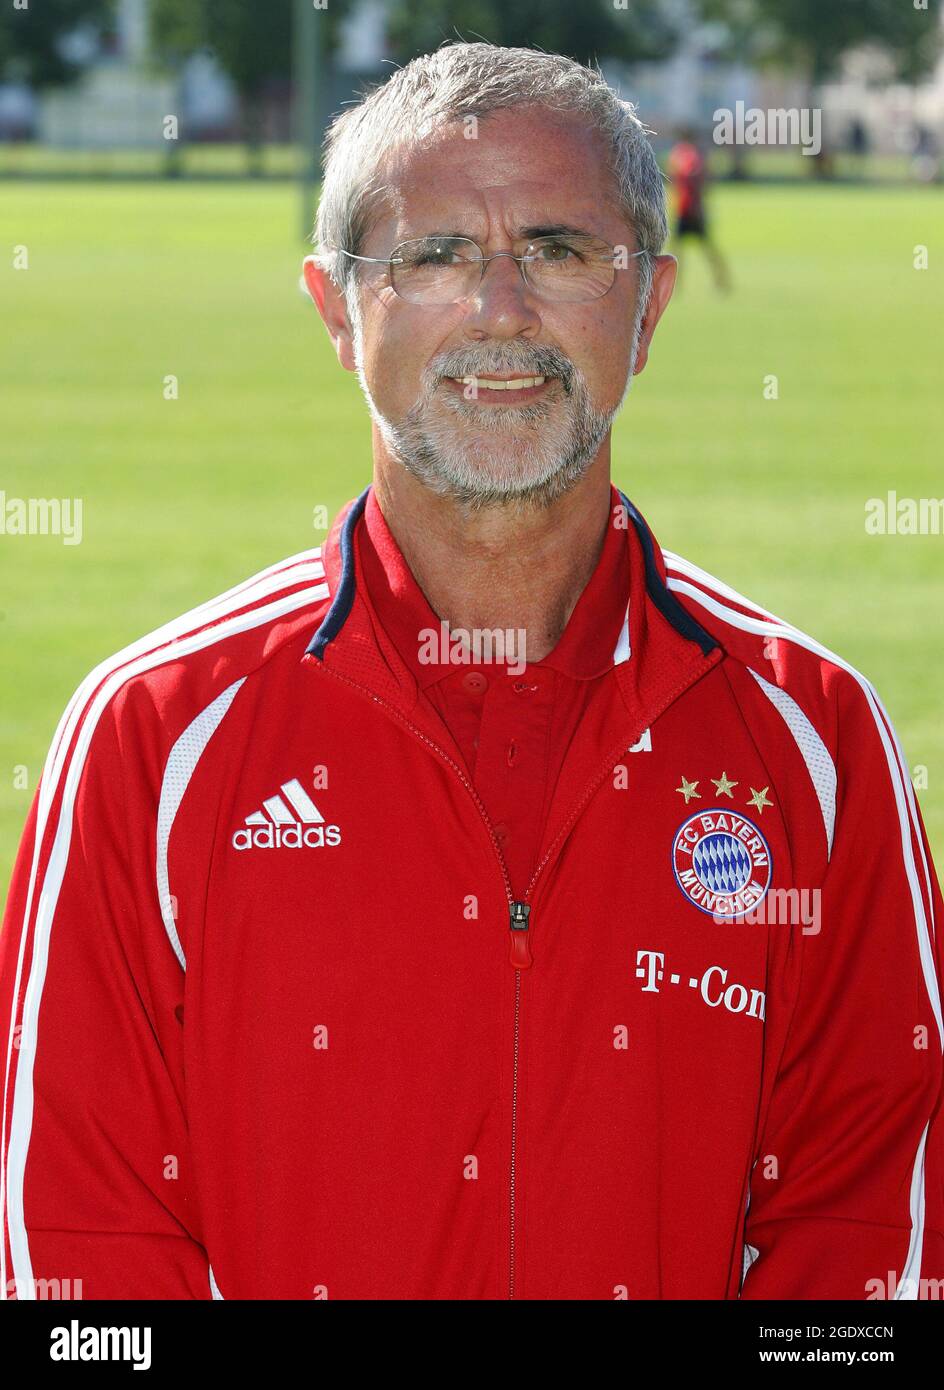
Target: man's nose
{"points": [[504, 305]]}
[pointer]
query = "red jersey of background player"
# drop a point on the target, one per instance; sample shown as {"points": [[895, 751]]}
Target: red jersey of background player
{"points": [[687, 171]]}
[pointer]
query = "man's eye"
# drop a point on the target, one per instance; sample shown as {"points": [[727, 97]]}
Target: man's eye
{"points": [[556, 252], [433, 255]]}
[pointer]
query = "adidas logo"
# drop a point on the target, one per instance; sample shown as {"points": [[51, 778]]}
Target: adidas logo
{"points": [[290, 820]]}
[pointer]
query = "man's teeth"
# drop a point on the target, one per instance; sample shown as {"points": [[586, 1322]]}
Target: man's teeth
{"points": [[516, 383]]}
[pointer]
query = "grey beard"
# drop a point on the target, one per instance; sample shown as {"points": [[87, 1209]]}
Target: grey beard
{"points": [[545, 467]]}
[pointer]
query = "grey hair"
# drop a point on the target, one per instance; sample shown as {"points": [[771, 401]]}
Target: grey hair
{"points": [[463, 80]]}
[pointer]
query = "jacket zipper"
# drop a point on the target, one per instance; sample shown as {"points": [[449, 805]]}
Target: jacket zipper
{"points": [[519, 913]]}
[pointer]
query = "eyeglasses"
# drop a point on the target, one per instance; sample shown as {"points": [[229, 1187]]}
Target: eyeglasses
{"points": [[449, 269]]}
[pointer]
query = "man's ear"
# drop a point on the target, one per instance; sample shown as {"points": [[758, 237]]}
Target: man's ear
{"points": [[330, 304], [664, 271]]}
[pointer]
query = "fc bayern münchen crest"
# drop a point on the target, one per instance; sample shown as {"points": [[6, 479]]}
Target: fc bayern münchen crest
{"points": [[722, 862]]}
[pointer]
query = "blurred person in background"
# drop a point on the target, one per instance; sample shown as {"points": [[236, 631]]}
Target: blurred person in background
{"points": [[688, 173]]}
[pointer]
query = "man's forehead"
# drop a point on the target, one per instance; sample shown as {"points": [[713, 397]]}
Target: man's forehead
{"points": [[517, 201], [485, 161], [545, 165]]}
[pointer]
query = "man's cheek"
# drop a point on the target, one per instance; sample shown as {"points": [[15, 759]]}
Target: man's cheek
{"points": [[395, 391]]}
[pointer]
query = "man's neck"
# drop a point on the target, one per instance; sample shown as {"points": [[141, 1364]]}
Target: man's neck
{"points": [[515, 566]]}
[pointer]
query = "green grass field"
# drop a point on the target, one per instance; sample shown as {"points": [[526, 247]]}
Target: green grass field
{"points": [[127, 284]]}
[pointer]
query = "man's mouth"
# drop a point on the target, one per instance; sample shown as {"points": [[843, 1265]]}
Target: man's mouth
{"points": [[500, 383], [500, 387]]}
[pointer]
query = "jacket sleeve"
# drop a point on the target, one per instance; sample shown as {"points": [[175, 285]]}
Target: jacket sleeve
{"points": [[97, 1184], [847, 1188]]}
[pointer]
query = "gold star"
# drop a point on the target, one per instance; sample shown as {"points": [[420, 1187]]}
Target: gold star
{"points": [[759, 799], [687, 789], [723, 785]]}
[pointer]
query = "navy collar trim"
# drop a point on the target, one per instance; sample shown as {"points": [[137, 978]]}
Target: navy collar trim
{"points": [[663, 598], [336, 615]]}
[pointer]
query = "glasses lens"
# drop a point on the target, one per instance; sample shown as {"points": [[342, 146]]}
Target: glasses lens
{"points": [[435, 270], [569, 268]]}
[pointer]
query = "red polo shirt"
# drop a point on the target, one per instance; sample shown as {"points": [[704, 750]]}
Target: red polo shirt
{"points": [[513, 730]]}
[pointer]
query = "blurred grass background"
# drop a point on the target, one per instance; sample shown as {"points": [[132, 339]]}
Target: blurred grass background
{"points": [[129, 283]]}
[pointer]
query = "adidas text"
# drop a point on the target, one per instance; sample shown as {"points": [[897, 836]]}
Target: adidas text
{"points": [[287, 837]]}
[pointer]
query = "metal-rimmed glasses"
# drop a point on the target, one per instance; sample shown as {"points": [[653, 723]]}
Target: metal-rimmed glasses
{"points": [[449, 269]]}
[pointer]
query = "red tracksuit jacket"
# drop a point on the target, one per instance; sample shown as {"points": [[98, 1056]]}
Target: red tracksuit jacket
{"points": [[274, 1025]]}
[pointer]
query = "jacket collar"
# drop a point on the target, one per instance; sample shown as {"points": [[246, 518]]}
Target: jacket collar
{"points": [[664, 651], [584, 651]]}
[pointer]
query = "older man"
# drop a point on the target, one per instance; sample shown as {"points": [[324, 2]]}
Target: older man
{"points": [[491, 906]]}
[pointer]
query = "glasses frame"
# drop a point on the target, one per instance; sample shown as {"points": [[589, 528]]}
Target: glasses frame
{"points": [[483, 262]]}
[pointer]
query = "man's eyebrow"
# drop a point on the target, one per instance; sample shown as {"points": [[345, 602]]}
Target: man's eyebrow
{"points": [[433, 236], [555, 229], [550, 229]]}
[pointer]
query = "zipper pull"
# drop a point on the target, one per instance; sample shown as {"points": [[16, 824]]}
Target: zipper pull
{"points": [[520, 950]]}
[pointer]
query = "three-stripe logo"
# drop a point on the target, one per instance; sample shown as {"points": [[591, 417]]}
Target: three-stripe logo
{"points": [[288, 820]]}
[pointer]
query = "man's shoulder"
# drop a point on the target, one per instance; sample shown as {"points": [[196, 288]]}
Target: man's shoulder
{"points": [[790, 687], [169, 677], [809, 685]]}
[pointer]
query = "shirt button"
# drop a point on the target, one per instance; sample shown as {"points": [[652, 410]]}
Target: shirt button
{"points": [[501, 832], [474, 682]]}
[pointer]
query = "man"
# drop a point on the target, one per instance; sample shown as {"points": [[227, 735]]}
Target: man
{"points": [[344, 961], [688, 172]]}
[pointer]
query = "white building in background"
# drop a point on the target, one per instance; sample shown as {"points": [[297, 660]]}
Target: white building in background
{"points": [[115, 102], [121, 101], [891, 113], [114, 106]]}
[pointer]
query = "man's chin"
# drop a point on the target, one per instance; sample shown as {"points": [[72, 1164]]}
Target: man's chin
{"points": [[503, 458], [477, 426], [481, 478]]}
